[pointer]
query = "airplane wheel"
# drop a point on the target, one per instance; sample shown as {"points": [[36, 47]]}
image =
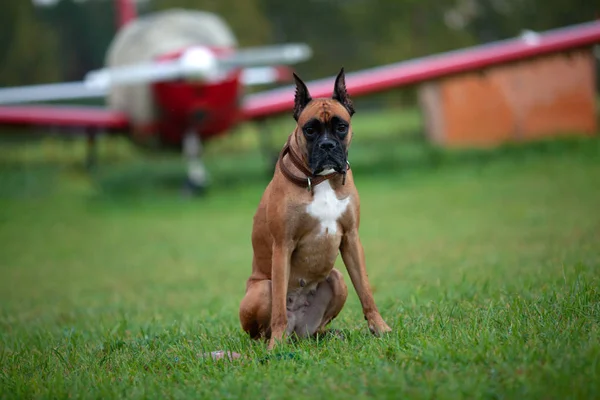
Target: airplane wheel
{"points": [[191, 189]]}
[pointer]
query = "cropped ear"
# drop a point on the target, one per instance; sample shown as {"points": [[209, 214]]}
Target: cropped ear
{"points": [[302, 97], [340, 94]]}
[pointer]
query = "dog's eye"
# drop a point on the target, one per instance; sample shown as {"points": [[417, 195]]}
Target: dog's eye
{"points": [[341, 129], [308, 131]]}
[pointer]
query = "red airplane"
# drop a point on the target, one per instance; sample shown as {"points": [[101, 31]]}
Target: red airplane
{"points": [[172, 79], [180, 97]]}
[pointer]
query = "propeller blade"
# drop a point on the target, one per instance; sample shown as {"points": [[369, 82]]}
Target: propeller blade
{"points": [[268, 55], [196, 63], [132, 74]]}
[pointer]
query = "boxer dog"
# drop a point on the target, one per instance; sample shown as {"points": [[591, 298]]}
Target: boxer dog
{"points": [[308, 213]]}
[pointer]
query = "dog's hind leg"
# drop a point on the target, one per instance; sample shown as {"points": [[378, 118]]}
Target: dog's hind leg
{"points": [[340, 292], [255, 309]]}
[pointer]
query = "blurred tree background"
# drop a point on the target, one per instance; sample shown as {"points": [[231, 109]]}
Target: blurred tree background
{"points": [[66, 38]]}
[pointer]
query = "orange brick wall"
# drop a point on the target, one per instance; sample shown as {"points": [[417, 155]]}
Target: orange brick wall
{"points": [[549, 95]]}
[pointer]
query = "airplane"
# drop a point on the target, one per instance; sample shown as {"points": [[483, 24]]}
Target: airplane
{"points": [[197, 88], [172, 80]]}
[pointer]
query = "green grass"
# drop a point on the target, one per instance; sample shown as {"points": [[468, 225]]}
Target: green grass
{"points": [[486, 264]]}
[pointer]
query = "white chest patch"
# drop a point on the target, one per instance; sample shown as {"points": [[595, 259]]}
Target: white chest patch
{"points": [[326, 207]]}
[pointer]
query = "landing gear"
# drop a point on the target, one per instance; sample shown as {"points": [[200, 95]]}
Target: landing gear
{"points": [[197, 177], [91, 153], [270, 152]]}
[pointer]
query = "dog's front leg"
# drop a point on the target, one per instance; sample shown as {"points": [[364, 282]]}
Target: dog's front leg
{"points": [[354, 258], [280, 275]]}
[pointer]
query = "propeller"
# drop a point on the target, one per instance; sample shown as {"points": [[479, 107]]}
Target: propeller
{"points": [[197, 63]]}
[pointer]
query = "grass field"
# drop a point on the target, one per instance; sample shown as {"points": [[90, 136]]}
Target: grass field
{"points": [[486, 264]]}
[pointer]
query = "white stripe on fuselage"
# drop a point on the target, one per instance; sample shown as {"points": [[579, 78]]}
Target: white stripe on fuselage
{"points": [[326, 207]]}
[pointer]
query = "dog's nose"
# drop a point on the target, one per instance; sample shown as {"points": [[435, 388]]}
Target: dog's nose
{"points": [[327, 144]]}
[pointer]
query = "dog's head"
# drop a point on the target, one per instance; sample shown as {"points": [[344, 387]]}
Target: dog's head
{"points": [[324, 128]]}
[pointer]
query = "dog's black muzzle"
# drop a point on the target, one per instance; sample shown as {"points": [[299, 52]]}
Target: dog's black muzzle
{"points": [[328, 153]]}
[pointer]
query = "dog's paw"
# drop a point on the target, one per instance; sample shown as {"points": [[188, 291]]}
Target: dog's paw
{"points": [[274, 343], [378, 327]]}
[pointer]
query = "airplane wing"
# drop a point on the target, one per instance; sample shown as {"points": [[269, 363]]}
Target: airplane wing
{"points": [[49, 92], [64, 117], [405, 73]]}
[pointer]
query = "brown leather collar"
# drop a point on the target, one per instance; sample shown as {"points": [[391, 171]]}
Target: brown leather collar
{"points": [[310, 181]]}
